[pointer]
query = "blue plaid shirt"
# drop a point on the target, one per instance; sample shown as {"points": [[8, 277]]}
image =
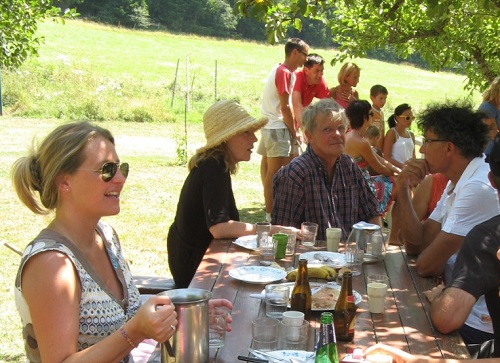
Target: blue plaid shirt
{"points": [[302, 193]]}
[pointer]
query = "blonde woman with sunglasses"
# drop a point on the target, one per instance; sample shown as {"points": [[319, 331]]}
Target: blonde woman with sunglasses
{"points": [[74, 290], [399, 141]]}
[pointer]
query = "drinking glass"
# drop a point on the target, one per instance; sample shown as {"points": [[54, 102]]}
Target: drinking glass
{"points": [[309, 232]]}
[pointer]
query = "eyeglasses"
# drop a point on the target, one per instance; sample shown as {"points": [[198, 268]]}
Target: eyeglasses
{"points": [[330, 130], [407, 118], [307, 55], [108, 170], [428, 141]]}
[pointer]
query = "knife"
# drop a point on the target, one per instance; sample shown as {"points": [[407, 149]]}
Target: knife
{"points": [[251, 359], [272, 358]]}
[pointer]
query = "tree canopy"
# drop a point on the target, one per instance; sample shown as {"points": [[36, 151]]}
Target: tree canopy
{"points": [[461, 35], [18, 24]]}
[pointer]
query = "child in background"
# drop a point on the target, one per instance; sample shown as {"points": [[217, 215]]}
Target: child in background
{"points": [[372, 135], [348, 78], [399, 142], [378, 96]]}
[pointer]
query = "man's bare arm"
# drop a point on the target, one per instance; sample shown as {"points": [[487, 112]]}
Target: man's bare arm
{"points": [[298, 109], [449, 308], [433, 258], [286, 111]]}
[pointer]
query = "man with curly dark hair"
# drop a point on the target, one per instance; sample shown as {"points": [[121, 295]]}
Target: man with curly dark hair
{"points": [[455, 137]]}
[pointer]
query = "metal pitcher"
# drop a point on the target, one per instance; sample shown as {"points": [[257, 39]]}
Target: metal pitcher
{"points": [[190, 341], [368, 238]]}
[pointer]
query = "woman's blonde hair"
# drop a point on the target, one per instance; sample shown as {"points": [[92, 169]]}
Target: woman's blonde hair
{"points": [[346, 70], [218, 152], [60, 152], [492, 94]]}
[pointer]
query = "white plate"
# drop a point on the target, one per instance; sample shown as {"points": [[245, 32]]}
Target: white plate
{"points": [[257, 274], [249, 242], [336, 259], [332, 285], [297, 354]]}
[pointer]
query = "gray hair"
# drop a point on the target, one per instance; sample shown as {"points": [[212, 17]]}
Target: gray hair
{"points": [[321, 108]]}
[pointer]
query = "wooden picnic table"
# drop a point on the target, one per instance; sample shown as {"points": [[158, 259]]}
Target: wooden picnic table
{"points": [[405, 324]]}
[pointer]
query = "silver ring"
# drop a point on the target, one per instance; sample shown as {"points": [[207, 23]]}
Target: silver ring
{"points": [[172, 327]]}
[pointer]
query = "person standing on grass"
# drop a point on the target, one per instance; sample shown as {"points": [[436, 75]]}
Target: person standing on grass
{"points": [[74, 290], [348, 78], [206, 208], [454, 138], [279, 143], [309, 84], [378, 96]]}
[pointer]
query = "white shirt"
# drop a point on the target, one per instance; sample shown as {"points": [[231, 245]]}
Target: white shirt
{"points": [[463, 206], [270, 104]]}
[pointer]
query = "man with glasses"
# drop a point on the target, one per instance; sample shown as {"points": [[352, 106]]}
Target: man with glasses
{"points": [[454, 140], [323, 185], [278, 143], [476, 272]]}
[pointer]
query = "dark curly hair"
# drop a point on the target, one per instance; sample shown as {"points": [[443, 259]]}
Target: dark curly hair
{"points": [[459, 123], [357, 112]]}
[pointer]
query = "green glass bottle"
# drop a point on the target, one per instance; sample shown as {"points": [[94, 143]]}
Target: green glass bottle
{"points": [[326, 349]]}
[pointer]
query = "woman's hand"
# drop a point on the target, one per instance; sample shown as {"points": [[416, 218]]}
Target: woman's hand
{"points": [[155, 319], [225, 304]]}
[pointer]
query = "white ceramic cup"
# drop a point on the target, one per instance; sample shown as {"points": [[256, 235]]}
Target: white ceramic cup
{"points": [[294, 337], [293, 320], [333, 236], [376, 297]]}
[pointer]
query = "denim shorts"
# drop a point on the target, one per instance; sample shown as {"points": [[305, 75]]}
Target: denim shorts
{"points": [[275, 143]]}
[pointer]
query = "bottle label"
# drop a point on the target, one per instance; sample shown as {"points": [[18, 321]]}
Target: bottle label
{"points": [[326, 350], [350, 298]]}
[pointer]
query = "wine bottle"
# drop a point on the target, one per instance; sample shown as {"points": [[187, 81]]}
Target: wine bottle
{"points": [[301, 293], [326, 349], [345, 310]]}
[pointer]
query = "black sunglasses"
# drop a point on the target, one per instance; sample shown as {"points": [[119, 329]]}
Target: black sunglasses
{"points": [[108, 170]]}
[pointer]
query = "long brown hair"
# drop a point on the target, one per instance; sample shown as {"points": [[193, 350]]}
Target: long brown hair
{"points": [[219, 151]]}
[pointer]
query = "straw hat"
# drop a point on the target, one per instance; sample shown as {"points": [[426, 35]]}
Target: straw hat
{"points": [[224, 120]]}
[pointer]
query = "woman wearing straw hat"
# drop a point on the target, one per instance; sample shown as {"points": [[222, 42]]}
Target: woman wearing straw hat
{"points": [[206, 208]]}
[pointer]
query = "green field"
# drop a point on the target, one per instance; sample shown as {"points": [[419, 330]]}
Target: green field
{"points": [[84, 66], [91, 71]]}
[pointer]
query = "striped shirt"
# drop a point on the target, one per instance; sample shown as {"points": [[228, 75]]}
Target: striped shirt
{"points": [[302, 193]]}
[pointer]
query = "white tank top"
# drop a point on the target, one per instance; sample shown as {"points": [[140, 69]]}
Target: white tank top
{"points": [[402, 149]]}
